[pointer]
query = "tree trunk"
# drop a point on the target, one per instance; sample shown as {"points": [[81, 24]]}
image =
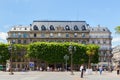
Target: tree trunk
{"points": [[89, 63]]}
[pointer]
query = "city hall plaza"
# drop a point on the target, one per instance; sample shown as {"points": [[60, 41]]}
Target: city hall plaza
{"points": [[37, 75]]}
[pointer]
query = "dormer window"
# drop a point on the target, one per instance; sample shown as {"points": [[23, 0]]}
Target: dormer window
{"points": [[67, 27], [76, 27], [43, 28], [14, 28], [35, 27], [103, 29], [83, 28], [52, 27], [25, 28]]}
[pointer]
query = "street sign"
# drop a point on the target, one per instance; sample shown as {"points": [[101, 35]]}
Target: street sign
{"points": [[31, 64], [66, 57]]}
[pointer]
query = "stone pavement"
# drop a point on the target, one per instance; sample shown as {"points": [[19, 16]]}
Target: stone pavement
{"points": [[105, 76], [36, 75]]}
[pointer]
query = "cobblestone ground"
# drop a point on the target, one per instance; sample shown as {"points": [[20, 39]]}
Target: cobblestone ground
{"points": [[36, 75]]}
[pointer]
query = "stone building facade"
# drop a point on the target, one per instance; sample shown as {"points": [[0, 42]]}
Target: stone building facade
{"points": [[116, 55], [63, 31]]}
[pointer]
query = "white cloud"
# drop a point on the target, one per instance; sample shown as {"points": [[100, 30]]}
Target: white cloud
{"points": [[117, 39], [3, 36]]}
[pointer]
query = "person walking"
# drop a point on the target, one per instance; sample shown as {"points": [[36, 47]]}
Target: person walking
{"points": [[118, 69], [100, 70], [81, 70]]}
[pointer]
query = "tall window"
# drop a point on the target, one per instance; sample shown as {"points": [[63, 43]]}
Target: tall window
{"points": [[42, 35], [98, 42], [24, 41], [13, 35], [35, 35], [83, 35], [93, 42], [25, 35], [19, 35], [19, 41], [59, 34], [51, 34], [75, 34], [104, 58], [67, 35]]}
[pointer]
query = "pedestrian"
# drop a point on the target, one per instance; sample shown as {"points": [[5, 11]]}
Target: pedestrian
{"points": [[81, 70], [118, 69], [96, 69], [40, 68], [100, 70], [48, 68]]}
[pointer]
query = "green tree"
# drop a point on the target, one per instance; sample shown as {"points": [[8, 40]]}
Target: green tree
{"points": [[4, 53], [117, 29], [91, 51], [54, 52]]}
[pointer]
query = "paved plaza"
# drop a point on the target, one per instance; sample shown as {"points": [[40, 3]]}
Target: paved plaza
{"points": [[36, 75]]}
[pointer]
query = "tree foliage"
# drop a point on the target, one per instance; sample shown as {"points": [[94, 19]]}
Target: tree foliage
{"points": [[55, 52], [52, 52], [4, 54], [92, 50], [117, 29]]}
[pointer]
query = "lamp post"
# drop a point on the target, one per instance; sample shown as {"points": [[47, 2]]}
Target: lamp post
{"points": [[11, 48], [71, 50]]}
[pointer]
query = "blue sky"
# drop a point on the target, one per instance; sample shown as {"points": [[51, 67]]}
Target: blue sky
{"points": [[95, 12]]}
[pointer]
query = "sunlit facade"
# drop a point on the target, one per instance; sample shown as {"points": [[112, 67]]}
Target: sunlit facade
{"points": [[62, 31]]}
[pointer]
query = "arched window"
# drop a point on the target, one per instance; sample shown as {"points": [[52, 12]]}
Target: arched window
{"points": [[76, 27], [35, 27], [43, 28], [83, 28], [67, 27], [52, 27]]}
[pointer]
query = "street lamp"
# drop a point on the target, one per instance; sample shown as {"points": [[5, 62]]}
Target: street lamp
{"points": [[10, 48], [71, 50]]}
